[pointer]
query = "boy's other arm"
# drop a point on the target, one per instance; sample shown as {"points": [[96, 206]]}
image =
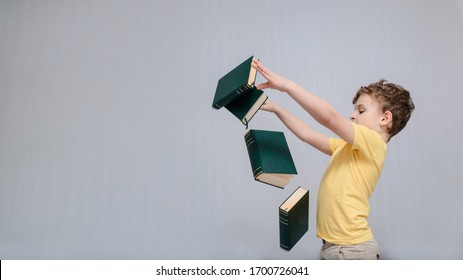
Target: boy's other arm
{"points": [[322, 112], [303, 131], [319, 109]]}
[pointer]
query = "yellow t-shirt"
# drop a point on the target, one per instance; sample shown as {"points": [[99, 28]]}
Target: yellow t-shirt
{"points": [[349, 180]]}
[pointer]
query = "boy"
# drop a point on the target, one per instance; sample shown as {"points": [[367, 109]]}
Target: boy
{"points": [[381, 110]]}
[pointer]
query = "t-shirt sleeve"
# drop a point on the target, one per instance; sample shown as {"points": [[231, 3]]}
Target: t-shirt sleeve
{"points": [[366, 140], [336, 143]]}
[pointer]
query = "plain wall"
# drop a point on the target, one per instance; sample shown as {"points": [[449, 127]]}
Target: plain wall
{"points": [[110, 149]]}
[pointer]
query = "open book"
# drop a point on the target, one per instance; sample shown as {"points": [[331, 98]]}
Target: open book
{"points": [[236, 91]]}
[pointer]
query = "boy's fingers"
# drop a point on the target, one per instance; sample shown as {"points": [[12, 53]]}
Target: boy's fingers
{"points": [[262, 86], [258, 65]]}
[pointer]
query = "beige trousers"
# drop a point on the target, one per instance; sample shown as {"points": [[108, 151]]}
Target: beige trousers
{"points": [[368, 250]]}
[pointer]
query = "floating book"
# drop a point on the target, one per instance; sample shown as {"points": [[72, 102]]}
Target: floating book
{"points": [[234, 83], [271, 160], [294, 218], [237, 92], [246, 106]]}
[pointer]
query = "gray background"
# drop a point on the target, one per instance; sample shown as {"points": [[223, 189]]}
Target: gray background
{"points": [[110, 149]]}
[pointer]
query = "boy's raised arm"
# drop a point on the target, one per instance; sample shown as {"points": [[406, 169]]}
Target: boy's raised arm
{"points": [[318, 108]]}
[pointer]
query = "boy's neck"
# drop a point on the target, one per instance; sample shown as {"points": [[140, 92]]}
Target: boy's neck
{"points": [[386, 136]]}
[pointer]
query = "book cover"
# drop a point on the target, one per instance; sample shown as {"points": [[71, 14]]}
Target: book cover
{"points": [[246, 106], [235, 83], [294, 218], [270, 157]]}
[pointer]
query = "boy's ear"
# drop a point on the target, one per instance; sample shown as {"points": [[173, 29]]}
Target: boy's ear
{"points": [[387, 118]]}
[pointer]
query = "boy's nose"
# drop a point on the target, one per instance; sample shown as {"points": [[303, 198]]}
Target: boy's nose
{"points": [[352, 117]]}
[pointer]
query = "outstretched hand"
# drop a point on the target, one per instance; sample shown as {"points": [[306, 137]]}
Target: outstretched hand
{"points": [[269, 106], [274, 81]]}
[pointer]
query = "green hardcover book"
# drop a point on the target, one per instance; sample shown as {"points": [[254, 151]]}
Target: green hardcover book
{"points": [[235, 83], [246, 106], [294, 218], [271, 160]]}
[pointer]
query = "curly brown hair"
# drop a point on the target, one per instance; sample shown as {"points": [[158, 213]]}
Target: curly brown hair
{"points": [[393, 98]]}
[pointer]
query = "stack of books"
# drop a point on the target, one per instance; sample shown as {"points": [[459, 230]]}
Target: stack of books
{"points": [[268, 151]]}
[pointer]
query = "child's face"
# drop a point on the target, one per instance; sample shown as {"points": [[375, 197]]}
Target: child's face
{"points": [[368, 113]]}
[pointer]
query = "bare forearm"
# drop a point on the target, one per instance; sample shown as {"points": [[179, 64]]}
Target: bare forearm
{"points": [[302, 131], [298, 127], [318, 108]]}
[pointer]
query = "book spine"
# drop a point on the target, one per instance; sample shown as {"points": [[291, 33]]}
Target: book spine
{"points": [[243, 89], [231, 97], [237, 92], [285, 235], [254, 156]]}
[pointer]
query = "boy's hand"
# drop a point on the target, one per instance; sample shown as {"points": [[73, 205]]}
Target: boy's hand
{"points": [[274, 80], [269, 106]]}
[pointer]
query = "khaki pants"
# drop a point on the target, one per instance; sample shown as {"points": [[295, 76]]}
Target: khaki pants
{"points": [[368, 250]]}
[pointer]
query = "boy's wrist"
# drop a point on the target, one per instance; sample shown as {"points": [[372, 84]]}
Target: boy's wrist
{"points": [[276, 108], [289, 86]]}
